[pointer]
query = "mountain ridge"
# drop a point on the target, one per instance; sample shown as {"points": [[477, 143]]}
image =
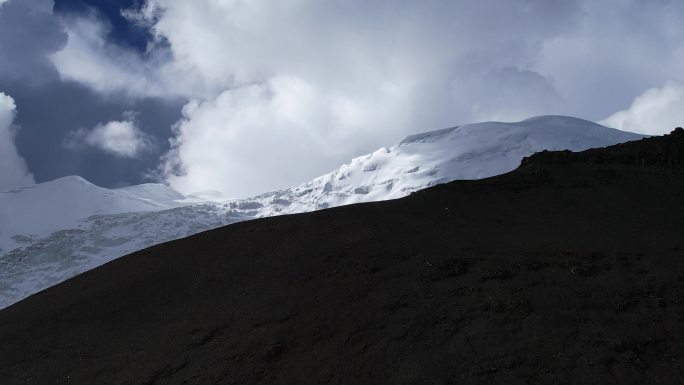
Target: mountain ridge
{"points": [[119, 221]]}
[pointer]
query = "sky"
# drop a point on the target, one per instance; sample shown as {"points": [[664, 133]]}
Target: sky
{"points": [[246, 97]]}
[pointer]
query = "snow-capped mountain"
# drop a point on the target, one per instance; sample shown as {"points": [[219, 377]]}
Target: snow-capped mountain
{"points": [[55, 230], [471, 151], [40, 210]]}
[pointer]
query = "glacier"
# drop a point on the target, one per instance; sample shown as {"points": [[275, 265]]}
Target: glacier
{"points": [[54, 230]]}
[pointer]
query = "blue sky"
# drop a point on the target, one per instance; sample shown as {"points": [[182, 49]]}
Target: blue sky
{"points": [[246, 97], [122, 31]]}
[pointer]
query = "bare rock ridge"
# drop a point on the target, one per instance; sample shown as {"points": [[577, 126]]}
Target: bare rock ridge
{"points": [[652, 151], [567, 270]]}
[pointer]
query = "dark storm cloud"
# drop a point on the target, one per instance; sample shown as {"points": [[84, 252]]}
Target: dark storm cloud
{"points": [[28, 34]]}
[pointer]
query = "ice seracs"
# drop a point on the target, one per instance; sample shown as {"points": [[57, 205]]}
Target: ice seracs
{"points": [[52, 231]]}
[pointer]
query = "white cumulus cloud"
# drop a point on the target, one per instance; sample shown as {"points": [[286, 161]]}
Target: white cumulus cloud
{"points": [[284, 91], [120, 138], [89, 58], [13, 170], [264, 136], [657, 111]]}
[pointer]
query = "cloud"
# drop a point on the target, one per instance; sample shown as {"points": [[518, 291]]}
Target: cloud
{"points": [[509, 94], [655, 112], [51, 105], [89, 58], [284, 91], [13, 170], [616, 50], [28, 35], [209, 46], [270, 135], [119, 138]]}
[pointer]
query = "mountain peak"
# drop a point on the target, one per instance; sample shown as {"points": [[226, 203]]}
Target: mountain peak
{"points": [[541, 119], [72, 179], [427, 136]]}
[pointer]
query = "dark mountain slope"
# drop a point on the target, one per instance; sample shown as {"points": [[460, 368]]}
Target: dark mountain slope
{"points": [[569, 270]]}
